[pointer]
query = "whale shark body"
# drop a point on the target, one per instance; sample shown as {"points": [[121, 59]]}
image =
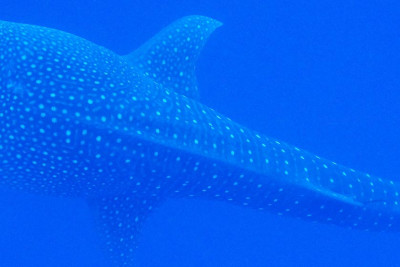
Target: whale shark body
{"points": [[125, 133]]}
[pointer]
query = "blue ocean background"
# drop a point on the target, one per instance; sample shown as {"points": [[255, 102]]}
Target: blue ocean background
{"points": [[322, 75]]}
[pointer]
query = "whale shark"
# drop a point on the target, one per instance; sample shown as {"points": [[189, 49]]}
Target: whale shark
{"points": [[125, 133]]}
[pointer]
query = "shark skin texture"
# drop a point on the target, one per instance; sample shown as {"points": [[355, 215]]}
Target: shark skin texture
{"points": [[125, 133]]}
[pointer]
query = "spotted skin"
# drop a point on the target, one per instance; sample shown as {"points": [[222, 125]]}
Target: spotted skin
{"points": [[169, 57], [126, 133]]}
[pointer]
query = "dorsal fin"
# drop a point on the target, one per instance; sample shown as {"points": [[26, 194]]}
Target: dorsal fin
{"points": [[170, 56]]}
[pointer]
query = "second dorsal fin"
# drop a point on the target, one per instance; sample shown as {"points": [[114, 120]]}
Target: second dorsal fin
{"points": [[169, 57]]}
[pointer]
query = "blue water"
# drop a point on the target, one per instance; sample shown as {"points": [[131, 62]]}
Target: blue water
{"points": [[322, 76]]}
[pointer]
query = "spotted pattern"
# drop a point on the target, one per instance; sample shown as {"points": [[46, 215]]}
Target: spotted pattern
{"points": [[169, 57], [77, 120]]}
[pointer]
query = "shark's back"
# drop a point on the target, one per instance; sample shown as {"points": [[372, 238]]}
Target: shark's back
{"points": [[58, 92], [127, 132]]}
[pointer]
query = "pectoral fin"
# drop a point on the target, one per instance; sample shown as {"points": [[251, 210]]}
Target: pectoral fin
{"points": [[119, 220]]}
